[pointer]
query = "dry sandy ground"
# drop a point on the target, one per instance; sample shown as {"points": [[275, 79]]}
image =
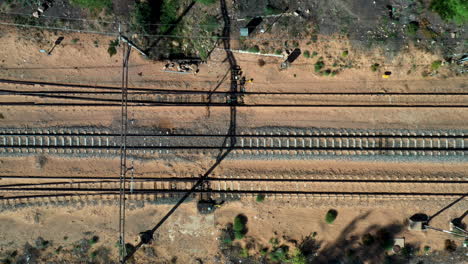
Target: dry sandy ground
{"points": [[194, 236]]}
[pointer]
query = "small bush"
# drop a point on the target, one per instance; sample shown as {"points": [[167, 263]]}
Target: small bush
{"points": [[112, 50], [450, 246], [206, 2], [263, 252], [345, 53], [427, 249], [298, 258], [271, 10], [254, 49], [278, 52], [93, 240], [239, 226], [261, 63], [244, 253], [2, 116], [375, 67], [314, 54], [331, 216], [436, 65], [75, 40], [306, 54], [211, 23], [280, 254], [413, 28], [260, 198], [238, 235], [319, 65], [326, 72]]}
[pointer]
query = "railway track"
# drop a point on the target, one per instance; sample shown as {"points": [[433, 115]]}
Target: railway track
{"points": [[110, 96], [155, 189], [366, 143]]}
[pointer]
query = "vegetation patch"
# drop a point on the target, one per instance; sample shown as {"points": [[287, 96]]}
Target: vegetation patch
{"points": [[239, 226], [260, 198], [94, 5], [306, 54], [375, 67], [331, 216], [319, 65], [451, 10], [436, 65], [254, 49], [206, 2], [112, 50], [272, 10], [412, 28]]}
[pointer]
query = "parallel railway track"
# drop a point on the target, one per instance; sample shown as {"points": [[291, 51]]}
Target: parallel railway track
{"points": [[59, 141], [87, 95], [221, 187]]}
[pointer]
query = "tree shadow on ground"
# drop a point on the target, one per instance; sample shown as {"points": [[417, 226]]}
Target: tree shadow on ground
{"points": [[370, 246]]}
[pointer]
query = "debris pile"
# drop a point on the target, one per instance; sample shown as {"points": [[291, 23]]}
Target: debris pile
{"points": [[182, 66]]}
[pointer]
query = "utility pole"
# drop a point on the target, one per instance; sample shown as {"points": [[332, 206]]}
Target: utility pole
{"points": [[123, 151]]}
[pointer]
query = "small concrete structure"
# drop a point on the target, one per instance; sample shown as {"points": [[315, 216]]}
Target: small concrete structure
{"points": [[244, 32]]}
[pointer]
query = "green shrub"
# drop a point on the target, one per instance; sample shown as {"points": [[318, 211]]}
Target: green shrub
{"points": [[210, 23], [412, 28], [331, 216], [244, 253], [279, 254], [93, 240], [260, 198], [314, 54], [326, 72], [319, 65], [263, 251], [227, 241], [2, 116], [375, 67], [239, 235], [454, 10], [278, 52], [95, 5], [436, 65], [427, 249], [271, 10], [298, 258], [254, 49], [168, 14], [239, 226], [345, 53], [112, 50], [306, 54], [75, 40], [207, 2]]}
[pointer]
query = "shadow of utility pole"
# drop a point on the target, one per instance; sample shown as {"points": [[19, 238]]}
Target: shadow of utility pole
{"points": [[228, 143]]}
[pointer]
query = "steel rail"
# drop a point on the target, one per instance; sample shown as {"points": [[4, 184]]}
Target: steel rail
{"points": [[134, 103], [246, 135], [157, 191], [240, 179], [177, 91]]}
